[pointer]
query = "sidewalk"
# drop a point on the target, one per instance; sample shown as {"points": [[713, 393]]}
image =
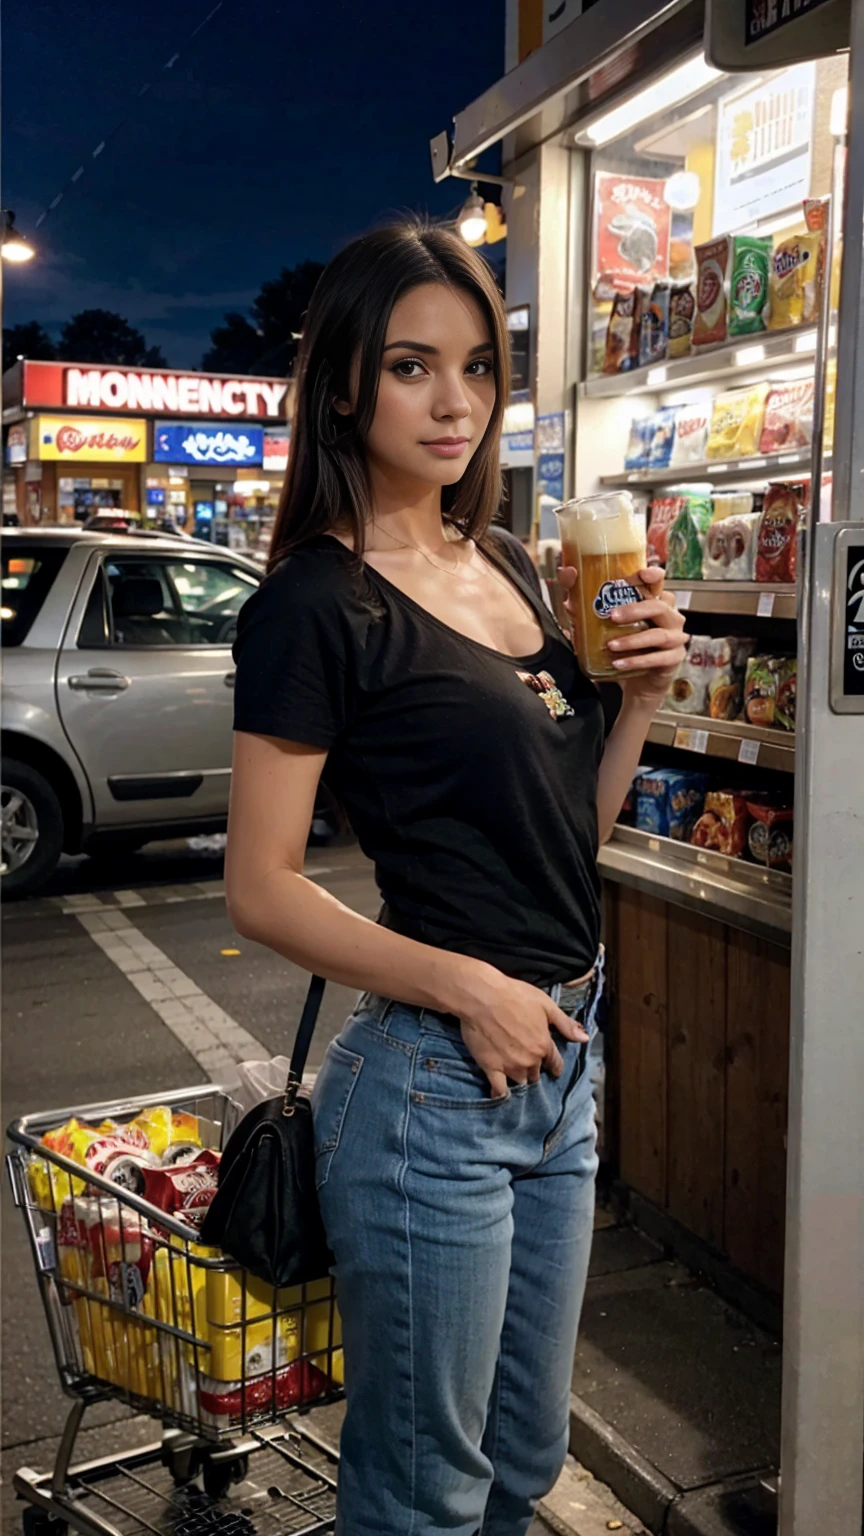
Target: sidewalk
{"points": [[676, 1394]]}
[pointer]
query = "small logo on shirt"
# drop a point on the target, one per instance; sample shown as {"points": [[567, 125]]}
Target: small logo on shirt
{"points": [[544, 684]]}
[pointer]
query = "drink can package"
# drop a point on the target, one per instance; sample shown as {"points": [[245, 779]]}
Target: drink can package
{"points": [[654, 326], [748, 285], [682, 311], [736, 423], [691, 434], [786, 282], [711, 321]]}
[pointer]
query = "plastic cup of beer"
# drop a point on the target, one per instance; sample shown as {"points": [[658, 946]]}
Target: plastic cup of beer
{"points": [[602, 538]]}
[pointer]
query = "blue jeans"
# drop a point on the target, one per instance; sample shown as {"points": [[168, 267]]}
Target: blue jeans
{"points": [[461, 1227]]}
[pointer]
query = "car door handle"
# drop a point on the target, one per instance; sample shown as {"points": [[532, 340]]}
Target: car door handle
{"points": [[230, 679], [99, 680]]}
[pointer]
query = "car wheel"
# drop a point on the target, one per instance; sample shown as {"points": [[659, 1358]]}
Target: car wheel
{"points": [[32, 828]]}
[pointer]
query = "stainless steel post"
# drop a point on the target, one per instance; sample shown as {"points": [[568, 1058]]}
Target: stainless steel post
{"points": [[822, 1442]]}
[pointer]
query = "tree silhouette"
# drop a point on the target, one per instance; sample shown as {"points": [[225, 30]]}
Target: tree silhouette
{"points": [[100, 336], [266, 341], [27, 340]]}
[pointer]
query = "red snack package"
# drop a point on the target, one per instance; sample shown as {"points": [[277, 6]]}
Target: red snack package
{"points": [[185, 1190], [722, 826], [222, 1402], [664, 510], [770, 836], [777, 549], [788, 417]]}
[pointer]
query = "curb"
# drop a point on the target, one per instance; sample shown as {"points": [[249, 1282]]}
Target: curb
{"points": [[654, 1499]]}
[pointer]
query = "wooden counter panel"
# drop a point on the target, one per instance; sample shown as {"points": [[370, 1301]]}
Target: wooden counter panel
{"points": [[641, 970], [697, 1040]]}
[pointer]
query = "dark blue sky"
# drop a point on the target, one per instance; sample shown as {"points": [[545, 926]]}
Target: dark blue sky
{"points": [[282, 131]]}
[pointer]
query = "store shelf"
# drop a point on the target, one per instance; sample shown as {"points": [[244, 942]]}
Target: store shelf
{"points": [[760, 600], [759, 467], [731, 890], [735, 740], [707, 364]]}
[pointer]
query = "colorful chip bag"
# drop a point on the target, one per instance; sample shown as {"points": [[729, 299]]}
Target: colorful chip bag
{"points": [[760, 689], [638, 452], [618, 335], [786, 282], [654, 326], [729, 657], [777, 547], [722, 826], [769, 839], [788, 417], [736, 423], [730, 548], [748, 285], [787, 687], [663, 437], [686, 539], [688, 692], [691, 433], [712, 262], [663, 512], [816, 214], [682, 310]]}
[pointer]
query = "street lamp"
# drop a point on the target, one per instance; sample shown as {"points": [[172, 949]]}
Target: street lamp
{"points": [[13, 245], [472, 219]]}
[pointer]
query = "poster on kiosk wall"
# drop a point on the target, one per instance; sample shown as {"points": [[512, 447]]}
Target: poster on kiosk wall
{"points": [[195, 442]]}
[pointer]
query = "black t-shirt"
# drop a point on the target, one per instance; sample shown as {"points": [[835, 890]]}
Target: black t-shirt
{"points": [[468, 776]]}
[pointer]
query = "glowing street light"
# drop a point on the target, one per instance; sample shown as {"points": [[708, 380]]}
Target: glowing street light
{"points": [[13, 245]]}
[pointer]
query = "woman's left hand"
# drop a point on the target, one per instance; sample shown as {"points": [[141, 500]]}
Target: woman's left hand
{"points": [[656, 652]]}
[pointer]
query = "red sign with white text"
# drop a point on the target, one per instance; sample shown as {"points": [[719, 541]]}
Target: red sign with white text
{"points": [[74, 386], [631, 230]]}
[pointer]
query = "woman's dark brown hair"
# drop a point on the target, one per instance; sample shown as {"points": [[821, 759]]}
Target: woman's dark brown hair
{"points": [[327, 482]]}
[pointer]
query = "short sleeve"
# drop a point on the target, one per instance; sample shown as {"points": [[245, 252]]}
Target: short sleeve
{"points": [[295, 673]]}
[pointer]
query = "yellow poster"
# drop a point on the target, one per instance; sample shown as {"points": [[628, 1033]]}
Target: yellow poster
{"points": [[89, 440]]}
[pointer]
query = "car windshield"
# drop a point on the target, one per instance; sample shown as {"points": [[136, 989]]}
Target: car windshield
{"points": [[28, 574]]}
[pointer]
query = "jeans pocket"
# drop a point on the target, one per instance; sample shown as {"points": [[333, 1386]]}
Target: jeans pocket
{"points": [[331, 1096], [449, 1080]]}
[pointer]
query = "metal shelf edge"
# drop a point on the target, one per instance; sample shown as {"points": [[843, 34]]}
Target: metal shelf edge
{"points": [[699, 890], [704, 365]]}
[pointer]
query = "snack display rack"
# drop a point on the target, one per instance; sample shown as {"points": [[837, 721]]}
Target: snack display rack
{"points": [[774, 466]]}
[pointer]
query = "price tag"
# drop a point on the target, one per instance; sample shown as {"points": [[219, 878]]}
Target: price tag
{"points": [[691, 741], [683, 600], [748, 751], [766, 605]]}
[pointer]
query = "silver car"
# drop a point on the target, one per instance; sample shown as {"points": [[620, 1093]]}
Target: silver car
{"points": [[117, 692]]}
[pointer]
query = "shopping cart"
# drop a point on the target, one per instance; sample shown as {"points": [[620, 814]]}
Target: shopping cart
{"points": [[140, 1312]]}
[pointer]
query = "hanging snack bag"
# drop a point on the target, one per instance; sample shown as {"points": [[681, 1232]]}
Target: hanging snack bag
{"points": [[686, 539], [777, 548], [786, 282], [760, 689], [736, 423], [691, 432], [788, 417], [787, 686], [770, 837], [816, 212], [682, 311], [617, 355], [654, 326], [639, 442], [688, 693], [723, 824], [663, 437], [730, 548], [664, 510], [748, 285], [710, 323]]}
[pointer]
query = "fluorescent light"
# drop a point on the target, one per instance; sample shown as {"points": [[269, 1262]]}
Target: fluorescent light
{"points": [[675, 87], [839, 112], [657, 376], [806, 343], [747, 355]]}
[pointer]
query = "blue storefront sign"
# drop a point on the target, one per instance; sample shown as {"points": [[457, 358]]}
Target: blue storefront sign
{"points": [[193, 442]]}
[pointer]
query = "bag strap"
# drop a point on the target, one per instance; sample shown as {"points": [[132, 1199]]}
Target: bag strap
{"points": [[303, 1040]]}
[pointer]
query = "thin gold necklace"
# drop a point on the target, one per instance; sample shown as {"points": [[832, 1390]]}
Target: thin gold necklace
{"points": [[448, 570]]}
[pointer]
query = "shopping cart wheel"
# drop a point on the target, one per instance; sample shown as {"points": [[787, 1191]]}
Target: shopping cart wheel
{"points": [[35, 1522], [181, 1454], [219, 1475]]}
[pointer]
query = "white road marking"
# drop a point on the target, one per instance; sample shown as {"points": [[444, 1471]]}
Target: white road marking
{"points": [[208, 1033], [162, 895]]}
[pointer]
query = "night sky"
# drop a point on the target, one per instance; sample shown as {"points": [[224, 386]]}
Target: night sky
{"points": [[282, 131]]}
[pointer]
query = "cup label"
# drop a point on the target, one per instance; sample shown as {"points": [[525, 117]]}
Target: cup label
{"points": [[615, 594]]}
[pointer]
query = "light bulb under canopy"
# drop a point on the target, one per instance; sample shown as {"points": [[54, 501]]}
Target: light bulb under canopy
{"points": [[471, 222]]}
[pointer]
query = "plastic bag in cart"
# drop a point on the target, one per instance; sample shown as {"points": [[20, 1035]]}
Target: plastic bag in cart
{"points": [[253, 1082]]}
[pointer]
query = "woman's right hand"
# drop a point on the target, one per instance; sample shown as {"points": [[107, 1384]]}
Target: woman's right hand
{"points": [[505, 1025]]}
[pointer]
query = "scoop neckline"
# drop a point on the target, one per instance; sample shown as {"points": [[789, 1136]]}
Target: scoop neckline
{"points": [[448, 628]]}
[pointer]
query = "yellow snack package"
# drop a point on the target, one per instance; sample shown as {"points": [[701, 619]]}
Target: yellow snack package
{"points": [[816, 214], [786, 281], [736, 423]]}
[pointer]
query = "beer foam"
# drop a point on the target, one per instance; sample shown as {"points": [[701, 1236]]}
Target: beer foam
{"points": [[607, 526]]}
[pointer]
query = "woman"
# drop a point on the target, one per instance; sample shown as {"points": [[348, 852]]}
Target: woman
{"points": [[453, 1120]]}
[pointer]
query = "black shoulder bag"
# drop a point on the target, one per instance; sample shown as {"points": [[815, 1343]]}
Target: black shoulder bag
{"points": [[265, 1212]]}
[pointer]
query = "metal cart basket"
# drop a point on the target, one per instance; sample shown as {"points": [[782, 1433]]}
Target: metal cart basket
{"points": [[139, 1311]]}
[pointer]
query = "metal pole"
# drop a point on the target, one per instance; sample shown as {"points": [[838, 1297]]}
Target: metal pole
{"points": [[822, 1437]]}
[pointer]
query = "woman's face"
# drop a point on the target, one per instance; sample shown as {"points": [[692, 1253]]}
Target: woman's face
{"points": [[436, 392]]}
